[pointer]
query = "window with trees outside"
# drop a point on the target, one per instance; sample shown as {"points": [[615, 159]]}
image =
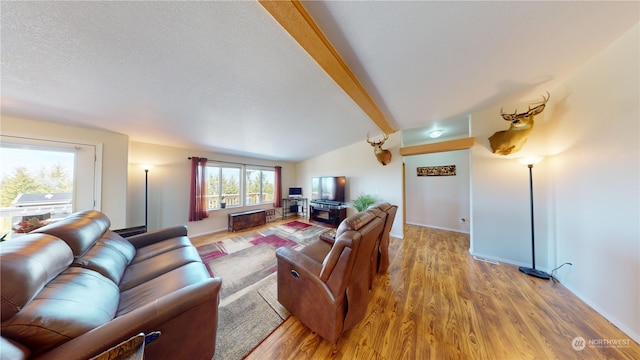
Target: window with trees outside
{"points": [[39, 182], [223, 186], [260, 186]]}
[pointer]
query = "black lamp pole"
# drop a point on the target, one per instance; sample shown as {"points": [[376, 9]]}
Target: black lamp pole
{"points": [[146, 199], [532, 270]]}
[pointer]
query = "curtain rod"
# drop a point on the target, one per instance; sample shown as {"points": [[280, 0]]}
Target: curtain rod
{"points": [[231, 162]]}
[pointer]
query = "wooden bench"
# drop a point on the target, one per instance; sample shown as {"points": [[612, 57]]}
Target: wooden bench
{"points": [[247, 219]]}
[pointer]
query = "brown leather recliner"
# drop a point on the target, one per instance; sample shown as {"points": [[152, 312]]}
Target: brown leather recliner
{"points": [[382, 260], [325, 285]]}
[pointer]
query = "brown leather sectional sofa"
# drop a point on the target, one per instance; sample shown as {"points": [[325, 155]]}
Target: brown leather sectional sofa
{"points": [[326, 284], [73, 289]]}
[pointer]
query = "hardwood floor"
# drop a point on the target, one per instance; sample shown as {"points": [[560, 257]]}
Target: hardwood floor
{"points": [[437, 302]]}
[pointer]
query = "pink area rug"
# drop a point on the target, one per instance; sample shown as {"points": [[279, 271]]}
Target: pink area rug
{"points": [[249, 309], [246, 259], [298, 225]]}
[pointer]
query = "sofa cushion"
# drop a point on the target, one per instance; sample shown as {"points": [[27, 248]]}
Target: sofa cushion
{"points": [[162, 285], [317, 250], [79, 230], [73, 303], [142, 271], [349, 239], [28, 264], [109, 256], [160, 247]]}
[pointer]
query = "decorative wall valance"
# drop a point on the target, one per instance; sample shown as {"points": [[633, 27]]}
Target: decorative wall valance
{"points": [[447, 170]]}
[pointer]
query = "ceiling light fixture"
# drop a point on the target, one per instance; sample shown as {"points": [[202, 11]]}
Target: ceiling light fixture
{"points": [[435, 134]]}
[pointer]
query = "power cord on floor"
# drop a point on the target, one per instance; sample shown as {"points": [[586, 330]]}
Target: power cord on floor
{"points": [[553, 277]]}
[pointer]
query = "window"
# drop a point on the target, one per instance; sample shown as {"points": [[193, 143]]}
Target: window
{"points": [[259, 186], [39, 182], [223, 186], [226, 184]]}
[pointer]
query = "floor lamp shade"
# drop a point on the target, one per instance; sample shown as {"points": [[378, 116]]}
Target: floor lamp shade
{"points": [[532, 271]]}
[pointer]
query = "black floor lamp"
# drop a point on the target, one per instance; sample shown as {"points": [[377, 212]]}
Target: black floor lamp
{"points": [[146, 199], [532, 271]]}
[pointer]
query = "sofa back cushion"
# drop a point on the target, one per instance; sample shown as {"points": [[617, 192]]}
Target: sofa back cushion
{"points": [[27, 264], [71, 304], [348, 239], [79, 230], [109, 256], [355, 222], [358, 285]]}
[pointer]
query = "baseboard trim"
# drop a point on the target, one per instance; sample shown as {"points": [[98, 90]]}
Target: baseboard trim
{"points": [[439, 228]]}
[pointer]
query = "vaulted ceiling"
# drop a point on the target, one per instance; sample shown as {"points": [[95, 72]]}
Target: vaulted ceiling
{"points": [[231, 77]]}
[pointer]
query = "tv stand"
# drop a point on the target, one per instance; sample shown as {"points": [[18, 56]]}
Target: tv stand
{"points": [[329, 212], [294, 206]]}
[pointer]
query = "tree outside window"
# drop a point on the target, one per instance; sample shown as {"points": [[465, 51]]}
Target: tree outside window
{"points": [[35, 184], [259, 186], [223, 185]]}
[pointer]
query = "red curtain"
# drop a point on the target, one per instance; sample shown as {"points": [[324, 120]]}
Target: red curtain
{"points": [[277, 191], [198, 197]]}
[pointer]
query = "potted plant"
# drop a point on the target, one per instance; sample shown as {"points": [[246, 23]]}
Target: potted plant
{"points": [[363, 201], [223, 203]]}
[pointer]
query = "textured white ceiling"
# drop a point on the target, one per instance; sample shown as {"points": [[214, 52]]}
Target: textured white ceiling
{"points": [[224, 76]]}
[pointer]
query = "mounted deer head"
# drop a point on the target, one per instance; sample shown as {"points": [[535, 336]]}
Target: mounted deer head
{"points": [[383, 156], [511, 141]]}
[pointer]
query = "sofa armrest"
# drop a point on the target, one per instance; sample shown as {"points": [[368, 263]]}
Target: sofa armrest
{"points": [[186, 316], [326, 237], [306, 296], [308, 273], [301, 262], [148, 238]]}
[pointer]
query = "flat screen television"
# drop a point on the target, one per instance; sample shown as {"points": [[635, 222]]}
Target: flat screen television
{"points": [[295, 191], [330, 188]]}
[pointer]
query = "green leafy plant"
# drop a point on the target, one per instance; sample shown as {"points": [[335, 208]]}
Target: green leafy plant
{"points": [[363, 201]]}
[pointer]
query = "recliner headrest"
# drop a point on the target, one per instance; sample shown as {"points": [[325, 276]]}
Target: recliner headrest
{"points": [[355, 221], [383, 206], [27, 264], [79, 230]]}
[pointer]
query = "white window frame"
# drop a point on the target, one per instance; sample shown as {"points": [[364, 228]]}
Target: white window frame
{"points": [[88, 160], [240, 180], [261, 169]]}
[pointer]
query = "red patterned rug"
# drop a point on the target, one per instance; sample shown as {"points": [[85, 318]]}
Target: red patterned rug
{"points": [[246, 259], [249, 310], [298, 225]]}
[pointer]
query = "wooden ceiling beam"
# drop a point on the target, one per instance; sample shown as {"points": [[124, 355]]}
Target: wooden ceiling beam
{"points": [[451, 145], [298, 23]]}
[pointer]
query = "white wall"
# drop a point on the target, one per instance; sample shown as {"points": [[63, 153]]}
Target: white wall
{"points": [[586, 190], [169, 180], [438, 201], [500, 202], [114, 158], [596, 181], [364, 174]]}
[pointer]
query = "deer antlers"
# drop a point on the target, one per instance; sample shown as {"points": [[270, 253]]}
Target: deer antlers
{"points": [[381, 142], [535, 111]]}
